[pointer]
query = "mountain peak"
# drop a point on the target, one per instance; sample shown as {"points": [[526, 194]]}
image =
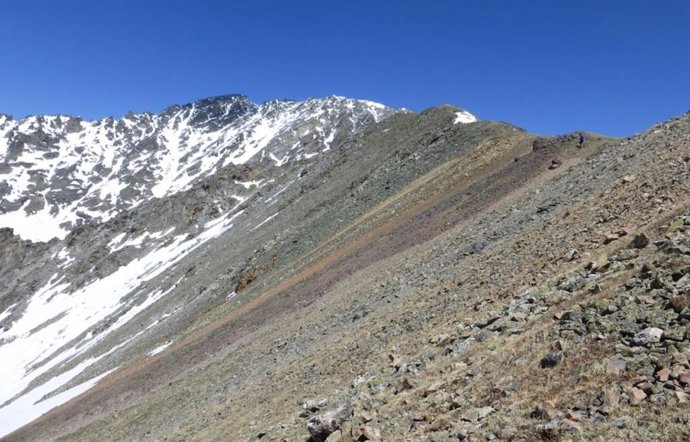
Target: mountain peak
{"points": [[64, 173]]}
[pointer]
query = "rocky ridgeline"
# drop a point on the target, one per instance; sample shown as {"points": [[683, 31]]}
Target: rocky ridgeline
{"points": [[62, 171], [639, 328]]}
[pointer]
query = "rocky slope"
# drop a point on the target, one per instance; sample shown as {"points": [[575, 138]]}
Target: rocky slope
{"points": [[422, 280], [180, 179]]}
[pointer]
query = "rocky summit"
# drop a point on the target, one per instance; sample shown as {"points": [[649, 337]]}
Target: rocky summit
{"points": [[337, 270]]}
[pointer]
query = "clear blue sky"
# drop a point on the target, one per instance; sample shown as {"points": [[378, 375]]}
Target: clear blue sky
{"points": [[610, 66]]}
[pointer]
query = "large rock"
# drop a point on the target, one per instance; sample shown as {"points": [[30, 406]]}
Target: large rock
{"points": [[616, 366], [640, 241], [637, 396], [649, 335], [323, 425]]}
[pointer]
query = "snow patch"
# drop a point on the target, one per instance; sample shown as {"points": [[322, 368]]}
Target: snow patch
{"points": [[31, 406], [160, 348], [249, 184], [39, 226], [464, 117]]}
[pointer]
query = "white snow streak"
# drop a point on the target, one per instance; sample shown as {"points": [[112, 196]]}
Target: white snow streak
{"points": [[464, 117], [30, 406], [160, 348]]}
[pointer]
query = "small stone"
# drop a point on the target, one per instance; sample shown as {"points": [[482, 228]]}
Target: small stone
{"points": [[483, 323], [646, 299], [370, 433], [418, 417], [366, 416], [685, 313], [441, 340], [656, 283], [563, 315], [404, 384], [572, 284], [640, 241], [571, 424], [648, 336], [314, 404], [610, 237], [546, 411], [637, 396], [658, 361], [346, 430], [555, 163], [395, 360], [572, 254], [610, 399], [610, 309], [477, 414], [663, 374], [647, 387], [559, 345], [682, 397], [683, 282], [678, 303], [677, 335], [681, 359], [336, 436], [433, 388], [551, 359], [439, 424], [616, 366], [638, 379], [629, 178], [623, 422], [573, 415], [627, 254], [519, 316]]}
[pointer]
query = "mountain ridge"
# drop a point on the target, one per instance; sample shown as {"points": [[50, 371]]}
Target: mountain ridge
{"points": [[423, 280], [157, 145]]}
